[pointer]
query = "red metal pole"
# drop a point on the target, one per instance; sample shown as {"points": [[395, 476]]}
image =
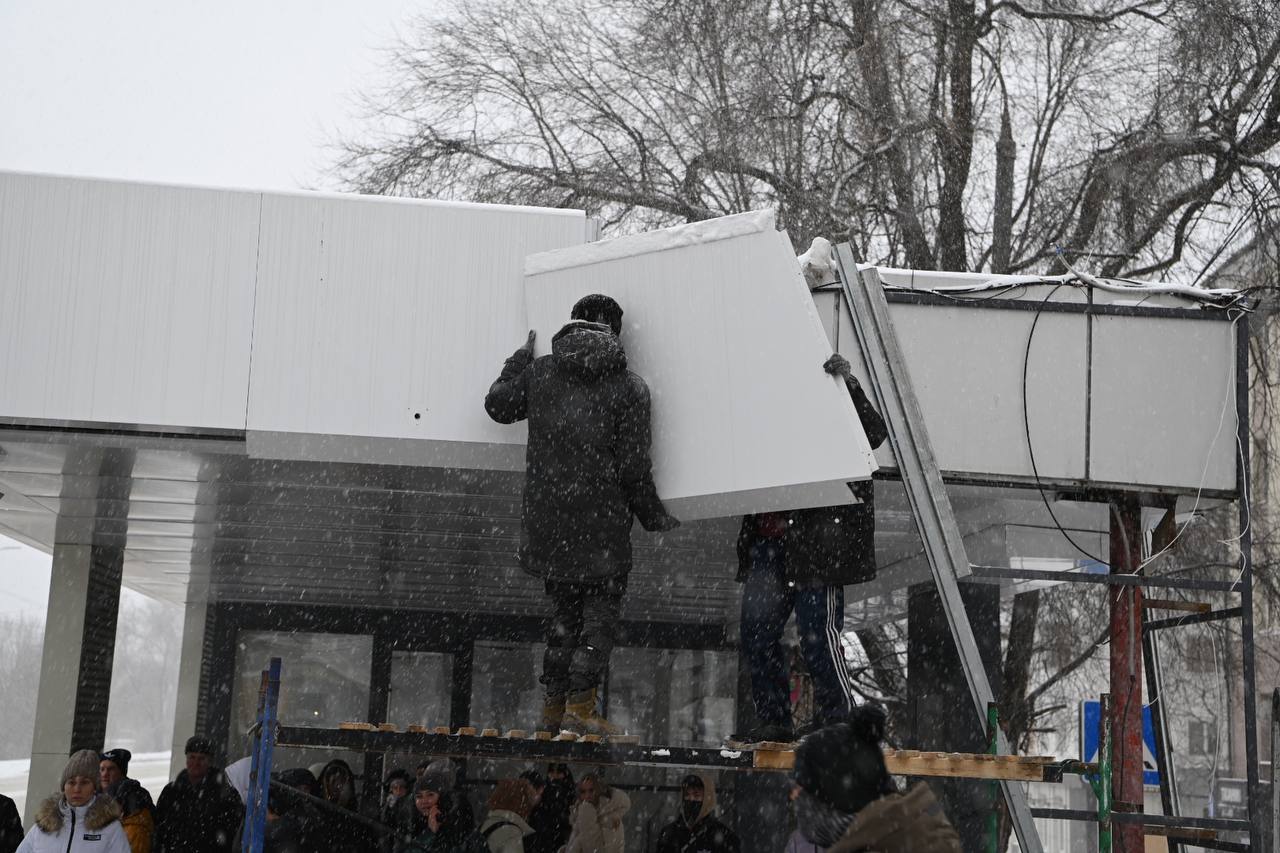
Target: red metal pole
{"points": [[1126, 671]]}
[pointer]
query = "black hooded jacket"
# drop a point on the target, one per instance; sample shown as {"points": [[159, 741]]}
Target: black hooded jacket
{"points": [[588, 470], [200, 818], [11, 833], [833, 545]]}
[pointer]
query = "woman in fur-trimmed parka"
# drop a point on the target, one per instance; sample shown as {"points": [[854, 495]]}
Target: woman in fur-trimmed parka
{"points": [[80, 819]]}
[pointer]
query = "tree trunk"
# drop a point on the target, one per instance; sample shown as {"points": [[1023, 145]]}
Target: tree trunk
{"points": [[874, 66], [1014, 709], [1002, 218], [956, 137]]}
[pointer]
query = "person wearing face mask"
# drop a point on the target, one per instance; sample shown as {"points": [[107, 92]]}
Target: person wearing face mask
{"points": [[80, 819], [697, 830]]}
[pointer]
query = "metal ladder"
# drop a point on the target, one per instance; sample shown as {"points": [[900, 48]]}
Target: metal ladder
{"points": [[927, 496], [264, 741]]}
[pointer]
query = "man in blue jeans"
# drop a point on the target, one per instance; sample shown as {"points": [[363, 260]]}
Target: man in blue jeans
{"points": [[801, 561]]}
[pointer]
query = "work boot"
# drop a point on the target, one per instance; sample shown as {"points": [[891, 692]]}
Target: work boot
{"points": [[765, 733], [552, 714], [581, 717]]}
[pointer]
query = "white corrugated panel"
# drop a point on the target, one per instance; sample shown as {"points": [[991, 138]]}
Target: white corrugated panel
{"points": [[719, 323], [380, 324], [125, 303]]}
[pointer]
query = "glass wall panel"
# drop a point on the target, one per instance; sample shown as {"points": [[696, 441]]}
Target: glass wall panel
{"points": [[324, 681], [421, 688], [505, 691], [669, 696]]}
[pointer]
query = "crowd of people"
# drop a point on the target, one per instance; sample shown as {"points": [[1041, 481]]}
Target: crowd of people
{"points": [[844, 801]]}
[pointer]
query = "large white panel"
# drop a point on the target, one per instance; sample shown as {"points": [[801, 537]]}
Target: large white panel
{"points": [[966, 366], [719, 323], [381, 323], [1163, 403], [125, 303]]}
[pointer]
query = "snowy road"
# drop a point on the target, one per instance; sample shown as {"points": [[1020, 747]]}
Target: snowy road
{"points": [[149, 768]]}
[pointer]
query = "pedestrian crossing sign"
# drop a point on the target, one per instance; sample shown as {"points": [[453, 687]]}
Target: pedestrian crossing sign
{"points": [[1090, 714]]}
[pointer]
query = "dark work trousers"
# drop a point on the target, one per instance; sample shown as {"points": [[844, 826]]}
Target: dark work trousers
{"points": [[768, 600], [580, 636]]}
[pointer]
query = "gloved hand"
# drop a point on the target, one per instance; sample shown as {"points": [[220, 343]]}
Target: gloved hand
{"points": [[838, 365], [666, 523], [528, 345]]}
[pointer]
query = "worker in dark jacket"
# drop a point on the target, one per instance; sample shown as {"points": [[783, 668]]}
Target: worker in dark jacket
{"points": [[588, 474], [199, 812], [11, 833], [697, 830], [801, 561]]}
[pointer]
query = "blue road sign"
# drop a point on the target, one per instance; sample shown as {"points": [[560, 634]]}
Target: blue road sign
{"points": [[1091, 712]]}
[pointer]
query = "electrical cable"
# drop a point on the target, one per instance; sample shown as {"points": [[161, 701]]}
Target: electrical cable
{"points": [[1026, 425]]}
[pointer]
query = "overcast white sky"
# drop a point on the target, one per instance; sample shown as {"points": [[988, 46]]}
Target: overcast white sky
{"points": [[218, 92]]}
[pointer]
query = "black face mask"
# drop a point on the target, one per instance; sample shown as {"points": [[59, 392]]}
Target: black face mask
{"points": [[691, 810]]}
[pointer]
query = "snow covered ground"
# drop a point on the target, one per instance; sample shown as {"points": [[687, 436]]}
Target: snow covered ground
{"points": [[149, 768]]}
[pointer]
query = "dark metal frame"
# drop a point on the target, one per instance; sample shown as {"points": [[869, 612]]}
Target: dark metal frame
{"points": [[393, 630]]}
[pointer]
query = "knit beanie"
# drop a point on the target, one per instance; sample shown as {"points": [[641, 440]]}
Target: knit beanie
{"points": [[432, 781], [82, 763], [598, 308], [118, 757], [842, 766]]}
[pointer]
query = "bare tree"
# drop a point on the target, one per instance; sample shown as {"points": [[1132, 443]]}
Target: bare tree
{"points": [[952, 134]]}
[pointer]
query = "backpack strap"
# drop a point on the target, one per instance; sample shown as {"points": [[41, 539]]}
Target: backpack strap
{"points": [[491, 830]]}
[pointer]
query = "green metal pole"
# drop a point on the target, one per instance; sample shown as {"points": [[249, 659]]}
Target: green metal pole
{"points": [[993, 818], [1104, 775]]}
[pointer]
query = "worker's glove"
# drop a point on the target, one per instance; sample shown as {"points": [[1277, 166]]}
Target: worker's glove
{"points": [[666, 523], [527, 349], [838, 365]]}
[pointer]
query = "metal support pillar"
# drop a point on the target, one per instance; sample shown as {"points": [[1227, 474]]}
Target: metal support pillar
{"points": [[1126, 668], [1257, 802], [1275, 771], [1161, 538], [379, 703], [927, 495]]}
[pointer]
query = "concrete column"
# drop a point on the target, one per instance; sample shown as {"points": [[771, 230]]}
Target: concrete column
{"points": [[187, 705], [75, 668]]}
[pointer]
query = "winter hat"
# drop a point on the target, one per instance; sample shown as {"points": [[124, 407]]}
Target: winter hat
{"points": [[401, 774], [300, 778], [512, 795], [118, 757], [198, 744], [842, 766], [433, 781], [598, 308], [82, 763]]}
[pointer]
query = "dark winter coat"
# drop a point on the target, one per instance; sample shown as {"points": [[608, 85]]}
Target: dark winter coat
{"points": [[199, 818], [139, 813], [705, 835], [587, 463], [10, 825], [833, 545], [337, 834], [550, 818], [456, 835]]}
